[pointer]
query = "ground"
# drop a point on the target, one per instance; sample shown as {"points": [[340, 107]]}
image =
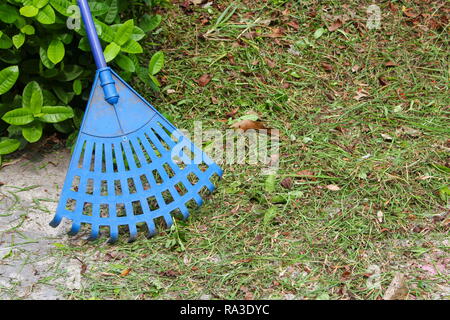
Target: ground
{"points": [[359, 205]]}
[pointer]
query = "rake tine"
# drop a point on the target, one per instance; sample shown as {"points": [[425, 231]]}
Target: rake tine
{"points": [[124, 139]]}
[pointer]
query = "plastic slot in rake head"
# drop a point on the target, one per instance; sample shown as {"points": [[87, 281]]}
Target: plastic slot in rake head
{"points": [[130, 167]]}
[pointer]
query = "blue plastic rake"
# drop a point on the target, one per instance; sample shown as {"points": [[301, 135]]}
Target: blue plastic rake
{"points": [[130, 166]]}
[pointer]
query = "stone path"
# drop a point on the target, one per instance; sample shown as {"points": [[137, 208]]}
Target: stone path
{"points": [[29, 191]]}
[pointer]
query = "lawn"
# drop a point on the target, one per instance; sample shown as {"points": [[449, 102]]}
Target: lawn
{"points": [[361, 195]]}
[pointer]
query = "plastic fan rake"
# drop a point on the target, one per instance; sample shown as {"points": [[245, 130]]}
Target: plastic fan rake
{"points": [[130, 165]]}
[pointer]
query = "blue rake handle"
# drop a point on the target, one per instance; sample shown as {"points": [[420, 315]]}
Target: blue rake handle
{"points": [[106, 80]]}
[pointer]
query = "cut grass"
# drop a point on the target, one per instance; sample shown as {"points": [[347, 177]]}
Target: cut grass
{"points": [[381, 149]]}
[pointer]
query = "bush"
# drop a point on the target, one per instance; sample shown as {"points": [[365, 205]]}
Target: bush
{"points": [[45, 75]]}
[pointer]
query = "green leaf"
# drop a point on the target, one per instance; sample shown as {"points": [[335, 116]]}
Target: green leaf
{"points": [[156, 63], [269, 184], [111, 51], [39, 3], [46, 15], [32, 132], [77, 87], [123, 34], [28, 30], [18, 117], [61, 6], [56, 114], [37, 99], [132, 46], [319, 32], [155, 80], [98, 8], [70, 72], [63, 95], [269, 215], [49, 98], [8, 78], [18, 40], [8, 146], [150, 23], [107, 33], [125, 63], [8, 14], [44, 58], [5, 41], [29, 11], [56, 51], [64, 127], [84, 44], [32, 97], [112, 11], [137, 34], [444, 193]]}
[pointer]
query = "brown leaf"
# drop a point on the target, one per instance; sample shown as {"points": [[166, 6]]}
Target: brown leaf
{"points": [[287, 183], [169, 273], [409, 13], [204, 80], [214, 100], [248, 124], [306, 174], [276, 33], [333, 187], [335, 25], [330, 96], [248, 296], [390, 64], [392, 7], [397, 290], [232, 113], [125, 272], [231, 59], [198, 2], [106, 274], [270, 63], [361, 94], [355, 68], [327, 67], [294, 25], [382, 81]]}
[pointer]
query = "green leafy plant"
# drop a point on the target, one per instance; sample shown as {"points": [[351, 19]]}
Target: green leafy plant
{"points": [[46, 67]]}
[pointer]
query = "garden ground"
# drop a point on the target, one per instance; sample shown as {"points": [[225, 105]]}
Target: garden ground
{"points": [[359, 208]]}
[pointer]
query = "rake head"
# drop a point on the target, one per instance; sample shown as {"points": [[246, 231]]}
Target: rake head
{"points": [[129, 167]]}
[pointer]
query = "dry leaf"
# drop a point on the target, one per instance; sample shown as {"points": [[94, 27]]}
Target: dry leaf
{"points": [[287, 183], [408, 12], [355, 68], [335, 25], [270, 63], [125, 272], [248, 124], [198, 2], [397, 290], [390, 64], [294, 25], [333, 187], [306, 174], [276, 33], [386, 137], [382, 81], [214, 100], [107, 274], [327, 67], [380, 216], [232, 113], [361, 94], [204, 80]]}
